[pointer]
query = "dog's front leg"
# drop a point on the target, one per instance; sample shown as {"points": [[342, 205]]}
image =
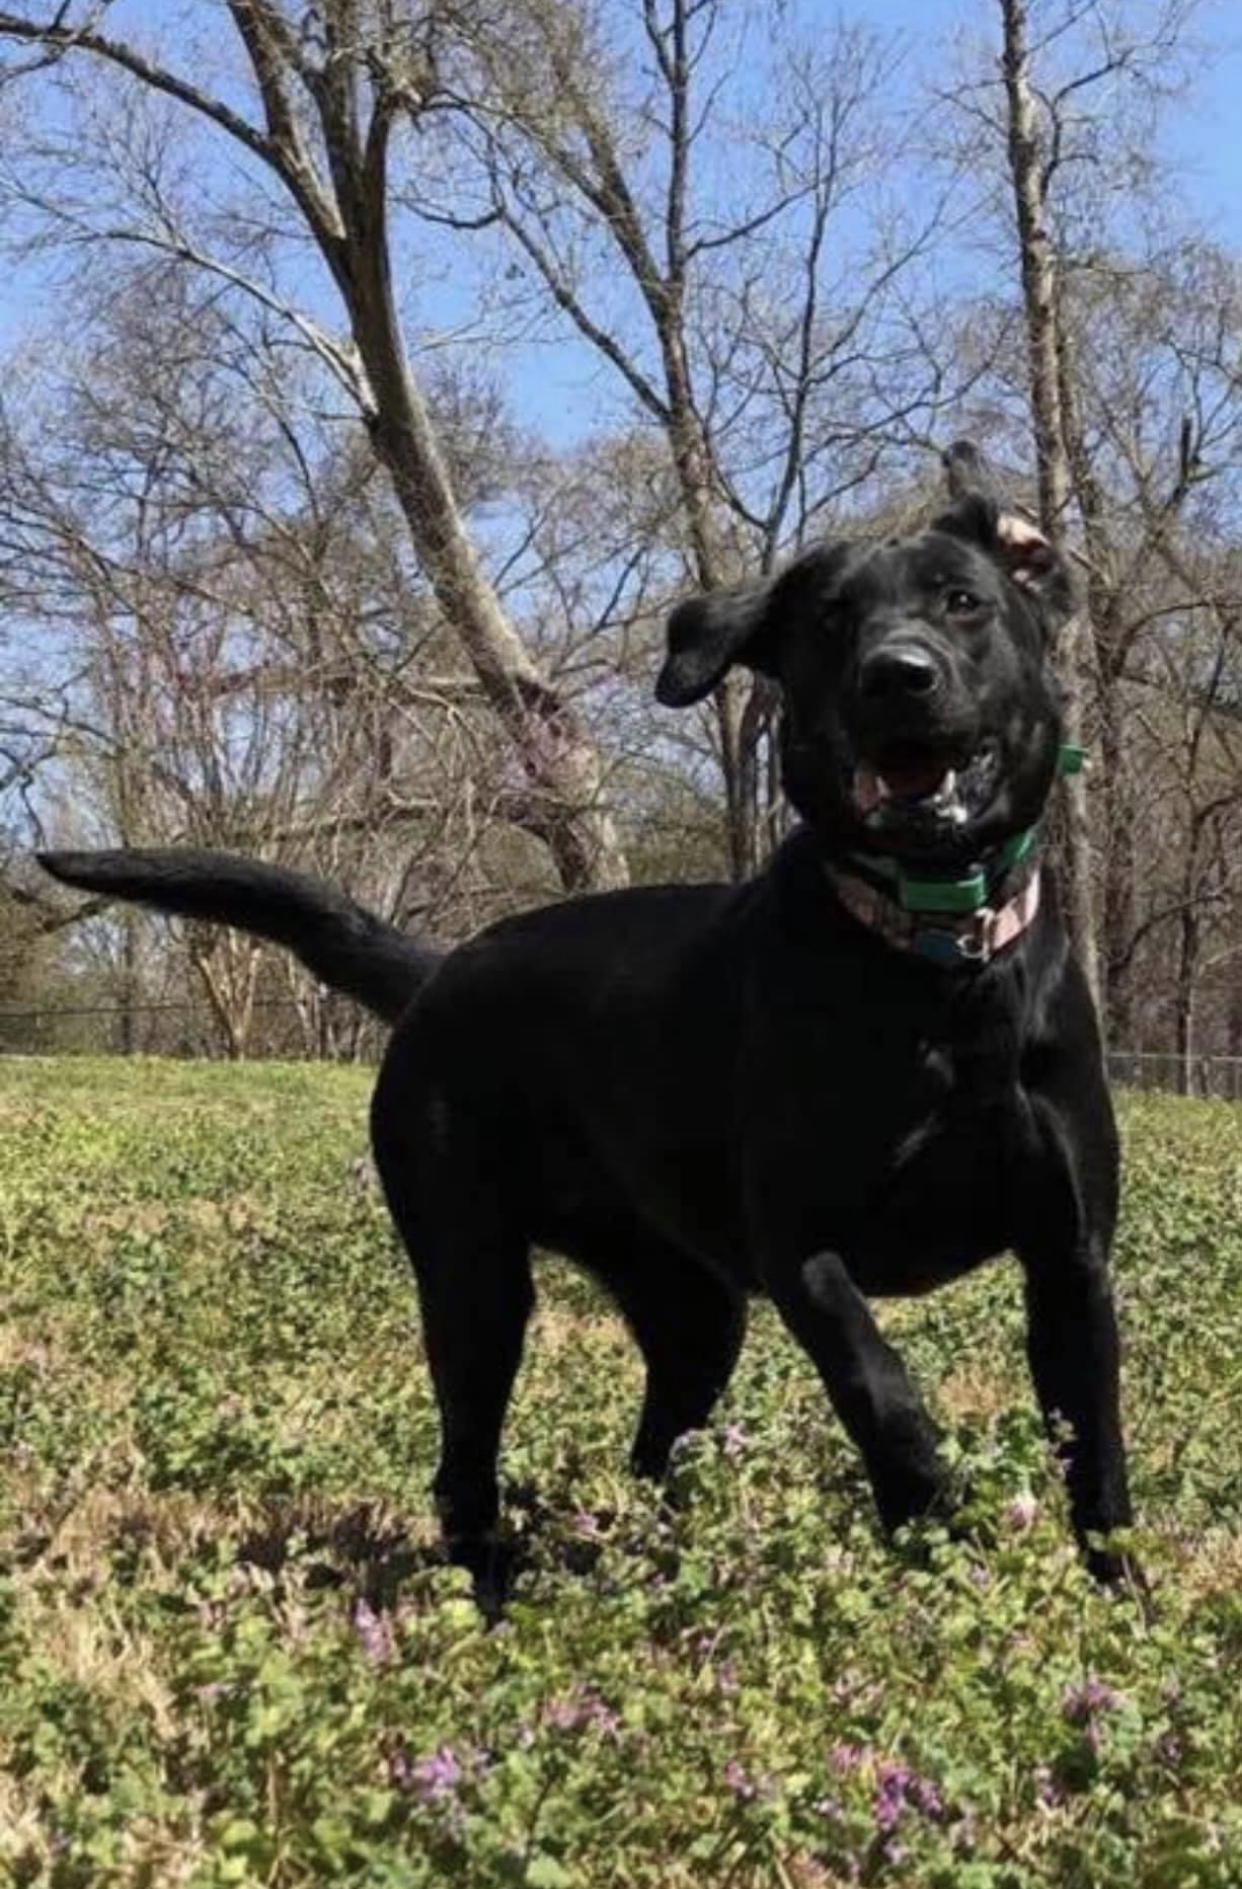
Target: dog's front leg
{"points": [[869, 1386], [1073, 1349], [1072, 1340]]}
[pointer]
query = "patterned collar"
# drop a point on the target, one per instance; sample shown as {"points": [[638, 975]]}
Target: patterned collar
{"points": [[940, 937]]}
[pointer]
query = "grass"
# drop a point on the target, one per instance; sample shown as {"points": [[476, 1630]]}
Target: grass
{"points": [[231, 1655]]}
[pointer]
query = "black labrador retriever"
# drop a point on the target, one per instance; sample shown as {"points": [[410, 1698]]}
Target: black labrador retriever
{"points": [[863, 1073]]}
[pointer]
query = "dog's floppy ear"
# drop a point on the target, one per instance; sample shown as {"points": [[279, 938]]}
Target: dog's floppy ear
{"points": [[1032, 562], [1019, 546], [707, 635]]}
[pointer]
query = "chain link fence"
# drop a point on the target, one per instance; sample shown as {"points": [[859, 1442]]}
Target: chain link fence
{"points": [[1218, 1077], [332, 1030], [284, 1029]]}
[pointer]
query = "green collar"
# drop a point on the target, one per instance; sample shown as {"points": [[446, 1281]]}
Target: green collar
{"points": [[973, 892]]}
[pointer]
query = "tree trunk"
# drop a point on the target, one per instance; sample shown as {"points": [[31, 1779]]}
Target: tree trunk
{"points": [[341, 75], [1184, 999], [347, 79], [662, 285], [1233, 1040], [1119, 883], [1039, 293], [127, 1020], [227, 969], [1102, 639], [739, 697], [563, 803]]}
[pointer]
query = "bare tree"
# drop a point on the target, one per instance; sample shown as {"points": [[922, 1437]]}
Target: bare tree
{"points": [[1060, 131], [1031, 167], [707, 267], [232, 647], [333, 89]]}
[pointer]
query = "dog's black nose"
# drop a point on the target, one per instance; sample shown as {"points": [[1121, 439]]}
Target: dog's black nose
{"points": [[889, 674]]}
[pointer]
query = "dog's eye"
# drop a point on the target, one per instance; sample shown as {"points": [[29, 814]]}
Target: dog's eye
{"points": [[959, 602]]}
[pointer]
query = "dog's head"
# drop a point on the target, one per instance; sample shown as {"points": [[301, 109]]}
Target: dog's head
{"points": [[921, 715]]}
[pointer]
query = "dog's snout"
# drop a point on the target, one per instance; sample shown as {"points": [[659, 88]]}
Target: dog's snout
{"points": [[896, 672]]}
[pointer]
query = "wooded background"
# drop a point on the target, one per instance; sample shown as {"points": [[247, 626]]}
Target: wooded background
{"points": [[385, 370]]}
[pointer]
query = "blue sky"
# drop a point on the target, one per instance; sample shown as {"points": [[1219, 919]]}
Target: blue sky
{"points": [[561, 389], [1203, 133]]}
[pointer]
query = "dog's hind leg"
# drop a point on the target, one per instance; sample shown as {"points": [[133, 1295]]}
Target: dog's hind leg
{"points": [[688, 1325], [475, 1298], [471, 1261], [868, 1385]]}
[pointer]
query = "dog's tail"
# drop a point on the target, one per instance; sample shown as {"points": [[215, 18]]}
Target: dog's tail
{"points": [[345, 947]]}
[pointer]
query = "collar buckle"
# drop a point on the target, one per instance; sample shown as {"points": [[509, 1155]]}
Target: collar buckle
{"points": [[936, 946], [974, 944]]}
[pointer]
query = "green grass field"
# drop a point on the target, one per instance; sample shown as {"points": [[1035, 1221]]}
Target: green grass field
{"points": [[229, 1655]]}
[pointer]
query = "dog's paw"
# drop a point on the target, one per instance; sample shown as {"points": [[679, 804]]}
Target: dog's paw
{"points": [[1113, 1563], [492, 1562], [926, 1493]]}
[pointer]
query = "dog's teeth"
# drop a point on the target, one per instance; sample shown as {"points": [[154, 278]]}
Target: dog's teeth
{"points": [[870, 790]]}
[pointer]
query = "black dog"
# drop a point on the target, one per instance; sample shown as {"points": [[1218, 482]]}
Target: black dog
{"points": [[865, 1072]]}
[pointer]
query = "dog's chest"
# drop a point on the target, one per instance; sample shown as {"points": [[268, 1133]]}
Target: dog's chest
{"points": [[951, 1167], [912, 1162]]}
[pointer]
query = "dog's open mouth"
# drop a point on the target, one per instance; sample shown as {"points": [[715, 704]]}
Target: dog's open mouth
{"points": [[909, 783]]}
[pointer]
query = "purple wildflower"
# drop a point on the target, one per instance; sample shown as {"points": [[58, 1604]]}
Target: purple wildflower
{"points": [[1082, 1705], [604, 1720], [438, 1778], [726, 1678], [583, 1710], [747, 1788], [928, 1798], [374, 1632], [734, 1441], [738, 1781], [1170, 1748], [436, 1782], [1022, 1511], [1049, 1791], [900, 1790], [890, 1798], [846, 1758]]}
